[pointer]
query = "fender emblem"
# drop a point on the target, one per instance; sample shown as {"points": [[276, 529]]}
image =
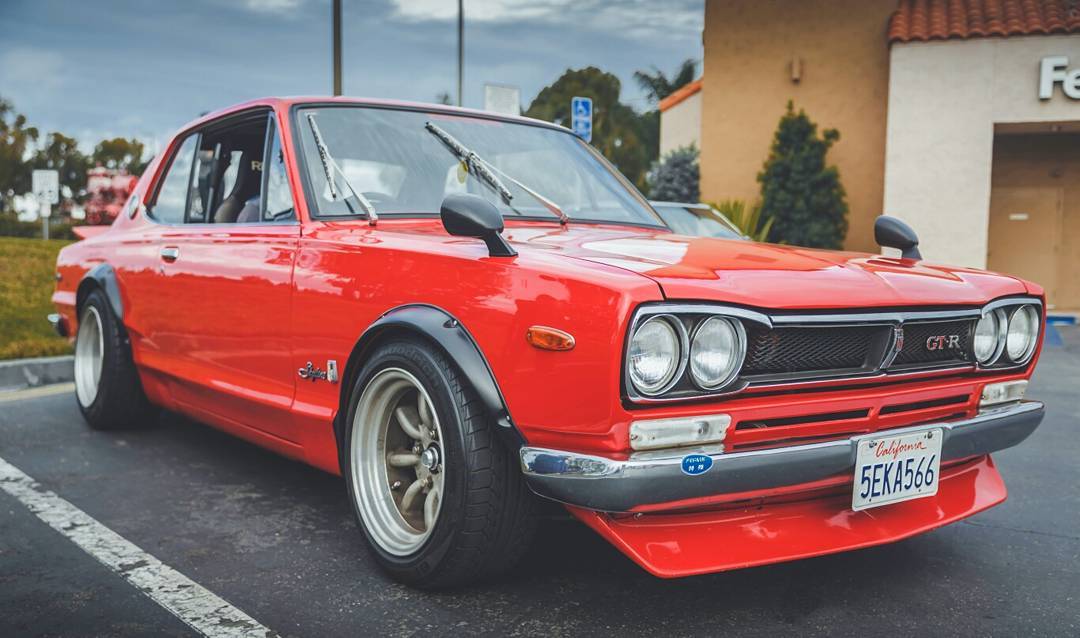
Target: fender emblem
{"points": [[314, 374]]}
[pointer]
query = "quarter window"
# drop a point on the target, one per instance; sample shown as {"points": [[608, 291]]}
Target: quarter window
{"points": [[279, 199], [172, 196]]}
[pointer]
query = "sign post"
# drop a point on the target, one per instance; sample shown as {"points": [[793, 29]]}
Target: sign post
{"points": [[581, 117], [46, 186]]}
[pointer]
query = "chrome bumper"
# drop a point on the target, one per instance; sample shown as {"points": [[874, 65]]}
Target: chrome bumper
{"points": [[647, 478]]}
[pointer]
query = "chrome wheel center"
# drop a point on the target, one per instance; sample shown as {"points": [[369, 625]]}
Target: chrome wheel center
{"points": [[89, 356], [397, 472], [430, 459]]}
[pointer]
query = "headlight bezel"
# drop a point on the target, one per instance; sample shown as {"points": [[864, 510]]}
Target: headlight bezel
{"points": [[681, 341], [739, 337], [1033, 338], [1006, 309], [688, 316]]}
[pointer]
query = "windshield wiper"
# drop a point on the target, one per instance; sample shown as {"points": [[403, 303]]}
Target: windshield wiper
{"points": [[330, 167], [485, 171]]}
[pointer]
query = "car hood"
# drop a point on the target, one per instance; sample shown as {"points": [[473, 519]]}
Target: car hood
{"points": [[767, 275]]}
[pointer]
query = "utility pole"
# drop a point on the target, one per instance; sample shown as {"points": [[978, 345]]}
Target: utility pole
{"points": [[336, 31], [460, 50]]}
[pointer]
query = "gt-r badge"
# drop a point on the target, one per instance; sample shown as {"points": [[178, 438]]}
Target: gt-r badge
{"points": [[695, 464]]}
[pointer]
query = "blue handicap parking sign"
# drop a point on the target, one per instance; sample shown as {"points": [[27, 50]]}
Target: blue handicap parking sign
{"points": [[581, 117]]}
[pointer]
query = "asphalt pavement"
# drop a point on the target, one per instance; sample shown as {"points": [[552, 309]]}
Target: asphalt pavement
{"points": [[276, 539]]}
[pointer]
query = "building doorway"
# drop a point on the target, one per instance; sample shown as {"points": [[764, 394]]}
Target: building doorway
{"points": [[1034, 228]]}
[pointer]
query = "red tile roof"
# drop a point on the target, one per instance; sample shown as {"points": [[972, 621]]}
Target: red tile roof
{"points": [[924, 20], [681, 94]]}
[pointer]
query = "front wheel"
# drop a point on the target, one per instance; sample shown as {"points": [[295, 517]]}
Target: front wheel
{"points": [[440, 500], [107, 386]]}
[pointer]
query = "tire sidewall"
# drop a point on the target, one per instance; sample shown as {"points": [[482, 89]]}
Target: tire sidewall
{"points": [[419, 360], [95, 412]]}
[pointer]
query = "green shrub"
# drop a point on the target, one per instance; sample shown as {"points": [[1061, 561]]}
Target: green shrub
{"points": [[10, 226], [749, 219], [800, 193], [676, 177]]}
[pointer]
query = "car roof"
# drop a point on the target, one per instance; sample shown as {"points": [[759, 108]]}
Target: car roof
{"points": [[291, 101]]}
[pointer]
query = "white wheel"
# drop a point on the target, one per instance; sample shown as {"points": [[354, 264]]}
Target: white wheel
{"points": [[397, 467], [89, 356]]}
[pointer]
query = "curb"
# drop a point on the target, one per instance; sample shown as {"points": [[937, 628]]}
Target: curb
{"points": [[18, 374]]}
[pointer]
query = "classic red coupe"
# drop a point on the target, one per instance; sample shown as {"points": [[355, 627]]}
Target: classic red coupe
{"points": [[461, 312]]}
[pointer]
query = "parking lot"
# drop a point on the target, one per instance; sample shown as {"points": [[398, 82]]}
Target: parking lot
{"points": [[276, 539]]}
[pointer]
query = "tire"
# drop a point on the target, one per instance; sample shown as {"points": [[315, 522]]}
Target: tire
{"points": [[484, 516], [107, 387]]}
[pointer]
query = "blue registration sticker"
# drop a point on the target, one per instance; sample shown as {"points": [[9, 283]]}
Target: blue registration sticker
{"points": [[695, 464]]}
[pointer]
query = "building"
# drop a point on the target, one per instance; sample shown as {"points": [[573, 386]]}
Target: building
{"points": [[961, 117]]}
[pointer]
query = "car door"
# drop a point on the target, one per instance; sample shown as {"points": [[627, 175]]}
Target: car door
{"points": [[226, 278]]}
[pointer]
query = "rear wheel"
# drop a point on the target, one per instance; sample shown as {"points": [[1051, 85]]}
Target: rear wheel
{"points": [[439, 498], [107, 386]]}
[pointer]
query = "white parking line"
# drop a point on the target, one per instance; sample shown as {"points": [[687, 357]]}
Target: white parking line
{"points": [[192, 603]]}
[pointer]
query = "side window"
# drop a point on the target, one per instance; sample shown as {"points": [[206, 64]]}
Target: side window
{"points": [[202, 192], [172, 196], [279, 200]]}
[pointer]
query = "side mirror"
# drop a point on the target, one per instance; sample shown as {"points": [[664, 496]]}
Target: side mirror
{"points": [[466, 215], [893, 233]]}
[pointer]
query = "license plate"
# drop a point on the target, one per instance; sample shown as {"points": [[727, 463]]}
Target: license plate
{"points": [[890, 469]]}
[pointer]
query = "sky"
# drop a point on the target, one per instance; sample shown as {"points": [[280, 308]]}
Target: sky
{"points": [[142, 69]]}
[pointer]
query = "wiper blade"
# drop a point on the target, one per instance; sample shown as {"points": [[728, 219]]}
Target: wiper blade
{"points": [[330, 167], [485, 171]]}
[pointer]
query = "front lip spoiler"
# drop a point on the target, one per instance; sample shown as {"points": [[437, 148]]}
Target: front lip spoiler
{"points": [[622, 485]]}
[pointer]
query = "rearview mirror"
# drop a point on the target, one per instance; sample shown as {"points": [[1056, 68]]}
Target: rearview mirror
{"points": [[893, 233], [466, 215]]}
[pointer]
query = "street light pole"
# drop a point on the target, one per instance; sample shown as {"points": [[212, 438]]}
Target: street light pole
{"points": [[336, 54], [460, 50]]}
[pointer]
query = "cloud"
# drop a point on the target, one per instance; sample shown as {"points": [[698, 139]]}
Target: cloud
{"points": [[636, 19], [273, 6], [29, 71]]}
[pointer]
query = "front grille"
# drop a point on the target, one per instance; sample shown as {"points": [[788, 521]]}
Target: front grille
{"points": [[951, 343], [788, 350]]}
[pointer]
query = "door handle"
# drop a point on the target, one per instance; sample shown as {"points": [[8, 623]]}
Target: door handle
{"points": [[170, 254]]}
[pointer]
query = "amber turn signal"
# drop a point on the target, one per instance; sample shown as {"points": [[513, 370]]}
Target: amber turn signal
{"points": [[547, 338]]}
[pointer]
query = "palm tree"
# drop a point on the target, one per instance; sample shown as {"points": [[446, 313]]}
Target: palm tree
{"points": [[657, 85]]}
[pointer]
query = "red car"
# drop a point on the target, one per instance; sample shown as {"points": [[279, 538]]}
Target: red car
{"points": [[460, 312]]}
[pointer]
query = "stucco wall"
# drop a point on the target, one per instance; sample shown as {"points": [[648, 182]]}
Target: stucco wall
{"points": [[944, 100], [749, 45], [680, 125]]}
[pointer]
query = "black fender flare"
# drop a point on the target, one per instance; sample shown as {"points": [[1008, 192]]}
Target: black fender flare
{"points": [[447, 332], [104, 277]]}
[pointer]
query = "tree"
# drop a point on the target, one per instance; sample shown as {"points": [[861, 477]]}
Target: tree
{"points": [[16, 140], [617, 128], [677, 177], [799, 192], [120, 152], [62, 154], [658, 86]]}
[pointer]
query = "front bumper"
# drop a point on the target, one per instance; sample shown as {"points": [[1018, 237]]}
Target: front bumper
{"points": [[644, 479]]}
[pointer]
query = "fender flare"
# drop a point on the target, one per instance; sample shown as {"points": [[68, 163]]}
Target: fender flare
{"points": [[450, 335], [104, 277]]}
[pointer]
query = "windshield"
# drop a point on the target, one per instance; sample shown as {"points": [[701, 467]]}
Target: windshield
{"points": [[390, 158], [701, 221]]}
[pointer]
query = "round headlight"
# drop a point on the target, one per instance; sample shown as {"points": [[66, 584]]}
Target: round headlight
{"points": [[655, 354], [1023, 333], [715, 353], [987, 337]]}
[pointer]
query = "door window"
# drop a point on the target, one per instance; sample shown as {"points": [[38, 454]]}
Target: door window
{"points": [[172, 196], [278, 194]]}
